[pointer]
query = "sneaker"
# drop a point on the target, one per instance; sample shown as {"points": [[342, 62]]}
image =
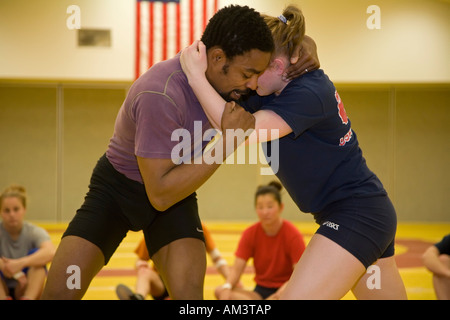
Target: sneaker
{"points": [[125, 293]]}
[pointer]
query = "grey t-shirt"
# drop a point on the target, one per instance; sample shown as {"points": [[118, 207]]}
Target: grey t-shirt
{"points": [[31, 237]]}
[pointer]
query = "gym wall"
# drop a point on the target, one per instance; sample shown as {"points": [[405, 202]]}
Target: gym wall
{"points": [[58, 102]]}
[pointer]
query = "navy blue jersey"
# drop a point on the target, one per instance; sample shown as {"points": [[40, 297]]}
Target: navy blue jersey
{"points": [[444, 245], [320, 161]]}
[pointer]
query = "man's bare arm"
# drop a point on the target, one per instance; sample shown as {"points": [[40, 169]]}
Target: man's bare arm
{"points": [[167, 183]]}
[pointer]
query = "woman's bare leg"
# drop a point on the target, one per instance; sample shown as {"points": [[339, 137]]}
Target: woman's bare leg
{"points": [[237, 294], [390, 286], [325, 271], [35, 283], [149, 282]]}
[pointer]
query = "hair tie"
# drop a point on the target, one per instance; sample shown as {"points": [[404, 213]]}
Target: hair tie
{"points": [[283, 19]]}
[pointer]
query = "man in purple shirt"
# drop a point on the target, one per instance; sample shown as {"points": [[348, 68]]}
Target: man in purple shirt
{"points": [[142, 184], [137, 185]]}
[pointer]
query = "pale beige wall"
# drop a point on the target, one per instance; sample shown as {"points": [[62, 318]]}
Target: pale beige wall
{"points": [[411, 46], [403, 132], [28, 145], [52, 133], [89, 116], [36, 43], [422, 151], [51, 136]]}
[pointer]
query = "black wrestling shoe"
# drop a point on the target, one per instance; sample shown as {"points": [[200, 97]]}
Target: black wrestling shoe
{"points": [[125, 293]]}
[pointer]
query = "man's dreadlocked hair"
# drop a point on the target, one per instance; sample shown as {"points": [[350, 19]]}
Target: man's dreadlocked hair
{"points": [[238, 29]]}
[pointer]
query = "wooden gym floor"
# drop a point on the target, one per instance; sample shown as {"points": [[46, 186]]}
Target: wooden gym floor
{"points": [[412, 240]]}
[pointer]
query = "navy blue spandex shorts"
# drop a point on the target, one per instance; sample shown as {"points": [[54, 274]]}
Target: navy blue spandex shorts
{"points": [[264, 292], [364, 226]]}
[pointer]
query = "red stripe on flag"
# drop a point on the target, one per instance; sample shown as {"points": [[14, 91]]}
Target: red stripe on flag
{"points": [[205, 13], [191, 21], [151, 10], [138, 40], [164, 39], [178, 28], [163, 29]]}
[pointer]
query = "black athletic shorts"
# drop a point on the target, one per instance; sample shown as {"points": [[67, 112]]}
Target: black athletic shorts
{"points": [[116, 204], [364, 226]]}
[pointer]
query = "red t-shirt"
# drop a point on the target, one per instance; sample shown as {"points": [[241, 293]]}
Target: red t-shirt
{"points": [[273, 256]]}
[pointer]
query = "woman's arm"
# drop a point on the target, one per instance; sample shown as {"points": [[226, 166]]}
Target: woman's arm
{"points": [[39, 258], [233, 278], [167, 183], [42, 256], [194, 63], [432, 262], [236, 271]]}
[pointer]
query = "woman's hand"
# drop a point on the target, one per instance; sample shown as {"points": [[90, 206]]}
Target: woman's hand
{"points": [[12, 266], [194, 60]]}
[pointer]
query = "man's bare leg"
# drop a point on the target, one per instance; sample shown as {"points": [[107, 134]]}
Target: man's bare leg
{"points": [[182, 266], [72, 251]]}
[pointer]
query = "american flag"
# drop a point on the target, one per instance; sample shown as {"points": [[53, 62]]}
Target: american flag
{"points": [[164, 27]]}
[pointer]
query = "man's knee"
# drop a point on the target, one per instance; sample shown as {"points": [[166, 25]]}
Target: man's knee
{"points": [[187, 291], [182, 265], [75, 264]]}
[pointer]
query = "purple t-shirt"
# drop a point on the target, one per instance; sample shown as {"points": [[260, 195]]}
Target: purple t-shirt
{"points": [[158, 103]]}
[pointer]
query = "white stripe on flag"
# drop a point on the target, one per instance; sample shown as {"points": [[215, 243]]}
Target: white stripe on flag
{"points": [[156, 47]]}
